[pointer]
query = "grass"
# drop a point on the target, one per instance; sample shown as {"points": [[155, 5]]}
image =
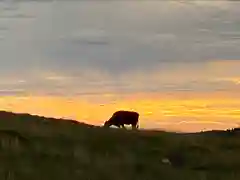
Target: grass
{"points": [[39, 148]]}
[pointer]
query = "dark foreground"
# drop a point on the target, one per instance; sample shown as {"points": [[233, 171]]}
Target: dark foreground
{"points": [[37, 148]]}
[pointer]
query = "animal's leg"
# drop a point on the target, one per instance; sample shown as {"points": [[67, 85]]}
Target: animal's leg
{"points": [[118, 125], [134, 126], [123, 126]]}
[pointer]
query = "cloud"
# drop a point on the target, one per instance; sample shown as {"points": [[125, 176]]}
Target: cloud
{"points": [[2, 29], [156, 39], [141, 43], [16, 16], [86, 37], [12, 92], [234, 80]]}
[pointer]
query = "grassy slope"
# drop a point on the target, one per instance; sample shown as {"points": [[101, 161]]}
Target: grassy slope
{"points": [[38, 148]]}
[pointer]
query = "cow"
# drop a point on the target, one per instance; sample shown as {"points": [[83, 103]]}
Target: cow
{"points": [[119, 118]]}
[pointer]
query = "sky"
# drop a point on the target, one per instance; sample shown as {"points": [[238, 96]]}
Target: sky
{"points": [[175, 62]]}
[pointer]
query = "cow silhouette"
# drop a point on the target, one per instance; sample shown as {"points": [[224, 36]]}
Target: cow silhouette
{"points": [[119, 118]]}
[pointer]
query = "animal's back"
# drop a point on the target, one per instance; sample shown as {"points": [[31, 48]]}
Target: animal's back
{"points": [[127, 117]]}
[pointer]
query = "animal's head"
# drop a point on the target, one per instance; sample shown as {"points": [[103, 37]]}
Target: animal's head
{"points": [[107, 123]]}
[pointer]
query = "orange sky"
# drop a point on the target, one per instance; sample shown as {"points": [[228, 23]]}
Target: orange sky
{"points": [[172, 111]]}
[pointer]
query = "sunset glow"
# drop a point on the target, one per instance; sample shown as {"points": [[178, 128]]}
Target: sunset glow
{"points": [[175, 62], [163, 111]]}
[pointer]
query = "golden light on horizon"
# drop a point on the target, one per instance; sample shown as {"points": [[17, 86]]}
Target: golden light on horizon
{"points": [[156, 110]]}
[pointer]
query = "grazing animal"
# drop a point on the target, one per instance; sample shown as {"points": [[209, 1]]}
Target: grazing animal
{"points": [[120, 118]]}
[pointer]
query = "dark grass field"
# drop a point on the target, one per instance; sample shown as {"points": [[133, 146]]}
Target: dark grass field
{"points": [[38, 148]]}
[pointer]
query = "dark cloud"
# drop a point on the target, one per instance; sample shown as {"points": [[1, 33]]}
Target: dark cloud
{"points": [[118, 38], [16, 16], [128, 41]]}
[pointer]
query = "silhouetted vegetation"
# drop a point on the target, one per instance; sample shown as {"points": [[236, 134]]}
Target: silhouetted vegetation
{"points": [[34, 147]]}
